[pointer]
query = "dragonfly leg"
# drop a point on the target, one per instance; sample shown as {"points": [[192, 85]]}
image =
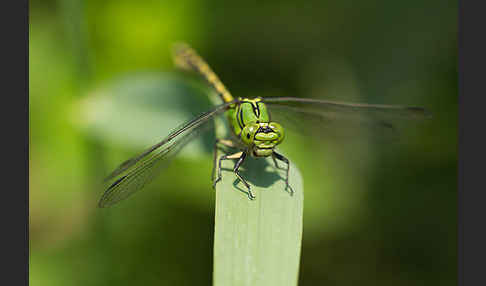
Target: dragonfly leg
{"points": [[282, 158], [225, 157], [224, 142], [275, 162], [251, 196], [241, 157]]}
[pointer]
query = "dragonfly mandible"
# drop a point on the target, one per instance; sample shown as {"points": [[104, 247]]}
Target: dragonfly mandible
{"points": [[254, 132]]}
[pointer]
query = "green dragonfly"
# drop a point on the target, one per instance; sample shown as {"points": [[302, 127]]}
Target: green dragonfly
{"points": [[254, 131]]}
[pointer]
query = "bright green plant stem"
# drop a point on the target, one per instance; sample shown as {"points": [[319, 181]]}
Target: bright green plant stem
{"points": [[257, 242]]}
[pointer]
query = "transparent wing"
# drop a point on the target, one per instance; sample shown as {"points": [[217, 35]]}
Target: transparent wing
{"points": [[141, 169], [341, 120]]}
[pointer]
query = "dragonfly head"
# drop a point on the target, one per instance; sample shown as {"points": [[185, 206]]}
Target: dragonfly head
{"points": [[263, 137]]}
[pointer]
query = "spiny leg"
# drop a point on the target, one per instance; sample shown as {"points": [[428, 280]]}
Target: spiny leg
{"points": [[275, 162], [225, 142], [225, 157], [282, 158], [241, 157], [235, 169]]}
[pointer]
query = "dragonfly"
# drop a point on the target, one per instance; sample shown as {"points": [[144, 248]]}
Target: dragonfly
{"points": [[254, 130]]}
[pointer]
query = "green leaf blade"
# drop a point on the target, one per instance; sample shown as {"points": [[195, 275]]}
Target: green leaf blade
{"points": [[258, 242]]}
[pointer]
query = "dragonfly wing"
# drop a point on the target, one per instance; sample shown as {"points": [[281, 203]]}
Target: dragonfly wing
{"points": [[340, 120], [145, 171], [141, 169]]}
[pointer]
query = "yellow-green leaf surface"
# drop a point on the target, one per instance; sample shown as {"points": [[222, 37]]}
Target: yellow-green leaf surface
{"points": [[257, 242], [140, 109]]}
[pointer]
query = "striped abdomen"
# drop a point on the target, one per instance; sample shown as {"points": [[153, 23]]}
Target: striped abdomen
{"points": [[186, 58]]}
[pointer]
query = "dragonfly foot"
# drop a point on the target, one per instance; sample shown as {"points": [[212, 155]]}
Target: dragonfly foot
{"points": [[251, 196], [289, 189], [215, 182]]}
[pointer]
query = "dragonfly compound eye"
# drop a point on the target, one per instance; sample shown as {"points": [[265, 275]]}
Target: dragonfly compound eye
{"points": [[277, 128], [248, 133]]}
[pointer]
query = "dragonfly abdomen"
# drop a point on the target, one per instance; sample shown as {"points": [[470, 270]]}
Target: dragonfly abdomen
{"points": [[188, 59]]}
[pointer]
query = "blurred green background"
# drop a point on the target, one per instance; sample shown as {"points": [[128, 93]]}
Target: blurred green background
{"points": [[103, 87]]}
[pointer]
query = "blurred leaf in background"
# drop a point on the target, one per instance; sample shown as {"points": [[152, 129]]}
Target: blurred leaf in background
{"points": [[102, 88]]}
